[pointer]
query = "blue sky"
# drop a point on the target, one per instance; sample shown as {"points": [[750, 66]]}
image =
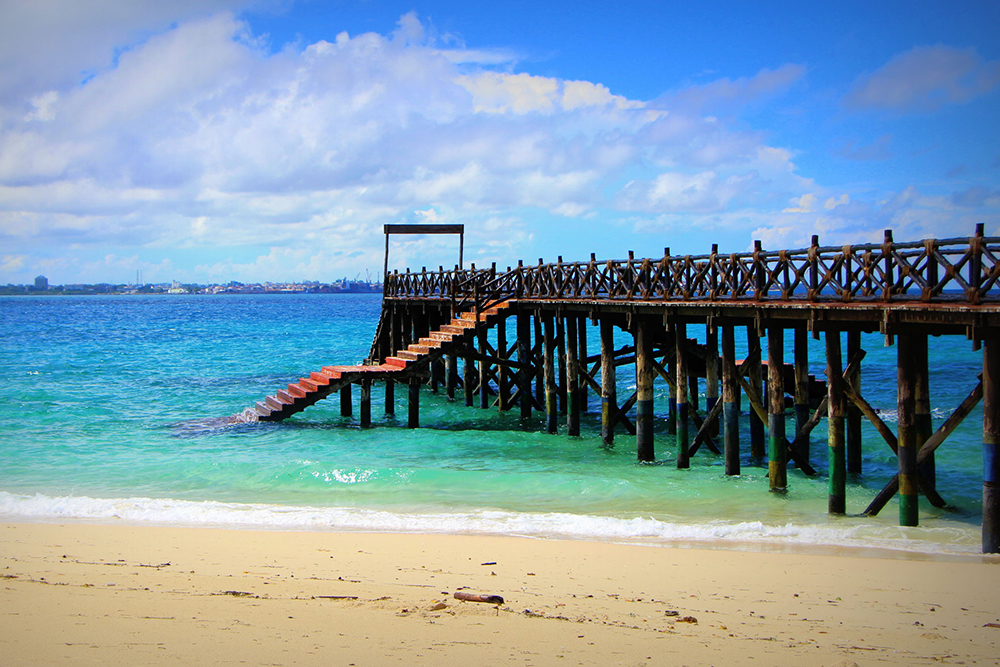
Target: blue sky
{"points": [[216, 140]]}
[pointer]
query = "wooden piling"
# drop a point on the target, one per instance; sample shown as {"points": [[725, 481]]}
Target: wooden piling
{"points": [[681, 361], [776, 466], [712, 374], [853, 413], [503, 372], [672, 398], [922, 408], [801, 354], [366, 403], [644, 372], [906, 429], [450, 375], [539, 358], [390, 397], [609, 392], [837, 456], [345, 401], [572, 379], [524, 357], [548, 353], [484, 366], [581, 353], [413, 411], [560, 361], [991, 443], [731, 401], [755, 379], [469, 380]]}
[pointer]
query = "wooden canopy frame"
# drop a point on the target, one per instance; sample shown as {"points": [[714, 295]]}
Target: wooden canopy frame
{"points": [[423, 229]]}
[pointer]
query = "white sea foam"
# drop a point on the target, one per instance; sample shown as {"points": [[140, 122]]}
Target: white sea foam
{"points": [[643, 530]]}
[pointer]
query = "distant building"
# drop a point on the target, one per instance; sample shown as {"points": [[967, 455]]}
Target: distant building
{"points": [[41, 283]]}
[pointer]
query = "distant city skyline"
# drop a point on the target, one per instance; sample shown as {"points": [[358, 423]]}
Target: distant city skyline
{"points": [[206, 141]]}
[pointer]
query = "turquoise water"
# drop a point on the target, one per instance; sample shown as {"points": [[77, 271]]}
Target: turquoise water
{"points": [[107, 417]]}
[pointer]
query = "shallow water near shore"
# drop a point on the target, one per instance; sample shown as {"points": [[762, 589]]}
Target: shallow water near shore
{"points": [[113, 408]]}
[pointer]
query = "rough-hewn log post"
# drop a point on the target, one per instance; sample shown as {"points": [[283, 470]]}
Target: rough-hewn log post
{"points": [[572, 378], [712, 374], [644, 372], [853, 413], [755, 378], [366, 403], [672, 403], [560, 361], [906, 430], [539, 359], [802, 386], [581, 353], [731, 401], [524, 356], [681, 360], [503, 372], [609, 392], [837, 456], [345, 401], [991, 443], [468, 379], [551, 407], [484, 365], [390, 397], [776, 467], [413, 412], [922, 408], [450, 375]]}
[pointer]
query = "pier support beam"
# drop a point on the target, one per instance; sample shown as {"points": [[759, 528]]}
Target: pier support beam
{"points": [[468, 380], [853, 413], [390, 397], [560, 361], [609, 391], [922, 403], [450, 375], [644, 371], [837, 457], [776, 467], [712, 374], [906, 434], [503, 371], [572, 379], [366, 403], [581, 353], [802, 386], [991, 443], [484, 366], [755, 378], [672, 402], [524, 357], [413, 413], [681, 361], [551, 406], [731, 401], [345, 401]]}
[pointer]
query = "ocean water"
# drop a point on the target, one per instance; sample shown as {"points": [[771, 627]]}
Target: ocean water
{"points": [[108, 415]]}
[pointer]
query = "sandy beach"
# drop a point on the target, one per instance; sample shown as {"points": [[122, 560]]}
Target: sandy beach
{"points": [[100, 594]]}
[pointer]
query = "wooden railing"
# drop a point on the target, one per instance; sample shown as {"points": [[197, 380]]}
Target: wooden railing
{"points": [[953, 271]]}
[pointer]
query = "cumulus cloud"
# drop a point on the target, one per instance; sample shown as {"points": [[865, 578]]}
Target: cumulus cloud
{"points": [[186, 133], [926, 78]]}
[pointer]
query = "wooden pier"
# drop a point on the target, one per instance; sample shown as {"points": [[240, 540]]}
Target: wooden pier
{"points": [[905, 291]]}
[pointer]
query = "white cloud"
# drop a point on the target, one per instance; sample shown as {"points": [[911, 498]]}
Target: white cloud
{"points": [[286, 165], [924, 79]]}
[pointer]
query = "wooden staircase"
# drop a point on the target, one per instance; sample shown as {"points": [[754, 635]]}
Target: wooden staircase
{"points": [[401, 366]]}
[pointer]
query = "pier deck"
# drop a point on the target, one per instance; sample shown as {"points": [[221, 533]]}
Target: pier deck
{"points": [[905, 291]]}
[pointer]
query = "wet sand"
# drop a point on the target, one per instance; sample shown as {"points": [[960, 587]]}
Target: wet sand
{"points": [[113, 594]]}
